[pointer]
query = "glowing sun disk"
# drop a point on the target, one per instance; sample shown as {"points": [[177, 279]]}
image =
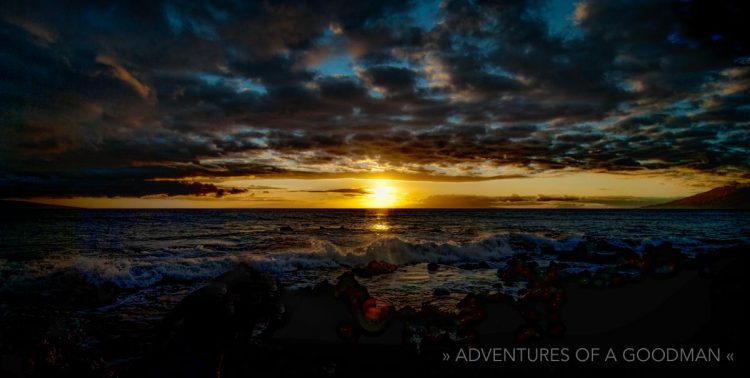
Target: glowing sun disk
{"points": [[381, 197]]}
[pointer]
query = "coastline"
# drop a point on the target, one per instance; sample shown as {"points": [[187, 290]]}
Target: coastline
{"points": [[687, 310], [246, 321]]}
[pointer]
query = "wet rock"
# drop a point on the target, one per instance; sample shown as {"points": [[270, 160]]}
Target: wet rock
{"points": [[527, 333], [240, 307], [374, 316], [500, 297], [597, 252], [516, 270], [351, 291], [370, 315], [470, 307], [322, 287], [434, 329], [407, 311], [440, 292], [347, 331], [375, 268], [49, 342], [662, 260], [474, 266], [524, 257], [547, 249], [65, 289]]}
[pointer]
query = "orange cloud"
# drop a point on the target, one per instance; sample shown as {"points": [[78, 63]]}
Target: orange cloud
{"points": [[121, 73]]}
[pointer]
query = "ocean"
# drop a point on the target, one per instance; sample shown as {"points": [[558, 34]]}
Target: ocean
{"points": [[143, 262]]}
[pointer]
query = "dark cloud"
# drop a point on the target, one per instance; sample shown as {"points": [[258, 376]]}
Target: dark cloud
{"points": [[102, 186], [515, 201], [173, 89], [391, 79], [350, 192], [468, 201]]}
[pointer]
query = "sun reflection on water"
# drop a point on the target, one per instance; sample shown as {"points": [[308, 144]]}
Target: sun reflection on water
{"points": [[380, 227]]}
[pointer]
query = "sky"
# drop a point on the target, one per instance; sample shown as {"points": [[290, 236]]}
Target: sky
{"points": [[327, 103]]}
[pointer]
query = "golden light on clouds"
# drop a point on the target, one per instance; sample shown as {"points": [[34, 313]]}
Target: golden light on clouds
{"points": [[386, 193]]}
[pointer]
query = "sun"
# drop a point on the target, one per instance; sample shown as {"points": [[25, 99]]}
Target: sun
{"points": [[381, 196]]}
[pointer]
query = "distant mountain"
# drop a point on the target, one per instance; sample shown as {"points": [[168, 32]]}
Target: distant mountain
{"points": [[21, 205], [725, 197]]}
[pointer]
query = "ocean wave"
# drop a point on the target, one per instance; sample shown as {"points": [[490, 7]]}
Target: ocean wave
{"points": [[202, 263], [391, 249], [123, 272]]}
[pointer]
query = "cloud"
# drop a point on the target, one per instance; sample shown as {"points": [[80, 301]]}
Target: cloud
{"points": [[102, 186], [350, 192], [516, 201], [467, 201], [466, 91], [390, 79], [121, 73], [44, 34]]}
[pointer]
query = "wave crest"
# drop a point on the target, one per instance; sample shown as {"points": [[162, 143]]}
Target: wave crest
{"points": [[202, 263]]}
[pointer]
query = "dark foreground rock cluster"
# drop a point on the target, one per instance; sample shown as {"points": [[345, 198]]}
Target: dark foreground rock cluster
{"points": [[243, 323], [221, 329]]}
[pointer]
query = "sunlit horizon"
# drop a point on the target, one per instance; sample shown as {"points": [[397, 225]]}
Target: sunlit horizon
{"points": [[587, 191]]}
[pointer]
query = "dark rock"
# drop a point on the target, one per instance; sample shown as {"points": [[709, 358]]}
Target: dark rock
{"points": [[559, 265], [596, 252], [500, 297], [474, 266], [516, 270], [351, 291], [547, 249], [440, 292], [286, 229], [662, 260], [66, 288], [375, 268], [432, 267], [348, 332], [240, 306], [528, 333], [556, 329], [524, 256], [322, 287], [407, 311], [370, 314]]}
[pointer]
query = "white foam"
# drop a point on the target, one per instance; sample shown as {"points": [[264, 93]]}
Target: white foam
{"points": [[200, 263]]}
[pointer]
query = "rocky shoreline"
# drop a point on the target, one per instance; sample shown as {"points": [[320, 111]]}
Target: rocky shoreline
{"points": [[244, 322]]}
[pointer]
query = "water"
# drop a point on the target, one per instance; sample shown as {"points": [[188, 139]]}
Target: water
{"points": [[158, 256]]}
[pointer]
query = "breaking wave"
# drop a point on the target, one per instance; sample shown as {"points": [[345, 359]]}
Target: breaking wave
{"points": [[201, 263]]}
